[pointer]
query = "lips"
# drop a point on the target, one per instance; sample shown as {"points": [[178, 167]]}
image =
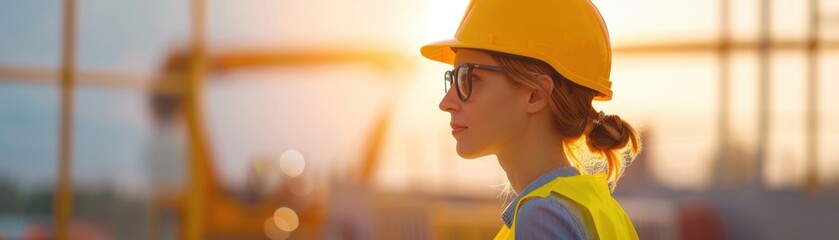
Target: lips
{"points": [[457, 128]]}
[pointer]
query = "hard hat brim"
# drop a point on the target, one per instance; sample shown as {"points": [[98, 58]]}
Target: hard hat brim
{"points": [[442, 51]]}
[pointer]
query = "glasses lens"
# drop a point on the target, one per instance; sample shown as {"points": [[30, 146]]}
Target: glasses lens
{"points": [[447, 81], [464, 85]]}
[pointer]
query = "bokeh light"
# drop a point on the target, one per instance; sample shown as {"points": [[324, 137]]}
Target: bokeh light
{"points": [[292, 163], [286, 219]]}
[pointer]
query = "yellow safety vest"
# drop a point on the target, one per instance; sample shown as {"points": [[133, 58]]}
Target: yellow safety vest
{"points": [[592, 195]]}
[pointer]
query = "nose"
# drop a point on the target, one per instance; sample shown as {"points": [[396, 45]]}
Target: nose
{"points": [[450, 102]]}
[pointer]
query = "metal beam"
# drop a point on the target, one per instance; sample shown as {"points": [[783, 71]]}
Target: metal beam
{"points": [[811, 180], [63, 200], [194, 221], [713, 46], [764, 86], [724, 57]]}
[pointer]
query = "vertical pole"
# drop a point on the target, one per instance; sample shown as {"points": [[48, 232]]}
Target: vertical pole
{"points": [[724, 55], [197, 197], [63, 201], [763, 89], [811, 181]]}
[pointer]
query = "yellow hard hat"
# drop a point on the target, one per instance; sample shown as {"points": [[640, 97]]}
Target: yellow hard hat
{"points": [[569, 35]]}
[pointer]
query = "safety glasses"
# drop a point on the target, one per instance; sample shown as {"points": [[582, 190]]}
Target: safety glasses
{"points": [[461, 78]]}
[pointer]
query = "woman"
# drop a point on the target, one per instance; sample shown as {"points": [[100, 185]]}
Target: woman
{"points": [[525, 76]]}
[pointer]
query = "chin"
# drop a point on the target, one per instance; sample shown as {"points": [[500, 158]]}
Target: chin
{"points": [[469, 153]]}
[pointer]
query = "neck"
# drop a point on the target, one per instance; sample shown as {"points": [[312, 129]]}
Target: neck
{"points": [[536, 152]]}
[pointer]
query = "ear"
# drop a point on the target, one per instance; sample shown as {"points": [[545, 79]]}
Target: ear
{"points": [[540, 97]]}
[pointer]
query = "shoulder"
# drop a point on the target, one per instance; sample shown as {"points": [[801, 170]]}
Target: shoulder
{"points": [[548, 218]]}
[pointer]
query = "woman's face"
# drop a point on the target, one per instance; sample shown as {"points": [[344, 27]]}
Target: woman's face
{"points": [[493, 115]]}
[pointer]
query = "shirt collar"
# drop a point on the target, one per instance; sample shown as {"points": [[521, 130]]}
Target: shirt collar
{"points": [[566, 171]]}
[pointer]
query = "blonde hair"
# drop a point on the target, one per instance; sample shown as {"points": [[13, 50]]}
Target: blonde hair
{"points": [[608, 146]]}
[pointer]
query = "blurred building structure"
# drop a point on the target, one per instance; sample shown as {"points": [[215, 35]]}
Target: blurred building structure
{"points": [[189, 201]]}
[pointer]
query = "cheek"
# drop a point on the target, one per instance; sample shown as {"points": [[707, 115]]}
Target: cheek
{"points": [[496, 117], [507, 118], [503, 105]]}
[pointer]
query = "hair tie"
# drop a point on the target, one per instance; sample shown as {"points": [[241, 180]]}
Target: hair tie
{"points": [[614, 134], [600, 116]]}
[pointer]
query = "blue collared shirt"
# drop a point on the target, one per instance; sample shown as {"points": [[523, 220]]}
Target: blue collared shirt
{"points": [[546, 218]]}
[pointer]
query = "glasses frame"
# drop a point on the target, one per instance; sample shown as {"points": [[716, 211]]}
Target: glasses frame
{"points": [[450, 78]]}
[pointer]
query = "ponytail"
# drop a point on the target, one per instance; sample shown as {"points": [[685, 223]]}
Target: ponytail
{"points": [[608, 136]]}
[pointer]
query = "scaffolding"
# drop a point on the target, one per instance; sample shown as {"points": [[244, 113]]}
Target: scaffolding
{"points": [[198, 67]]}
